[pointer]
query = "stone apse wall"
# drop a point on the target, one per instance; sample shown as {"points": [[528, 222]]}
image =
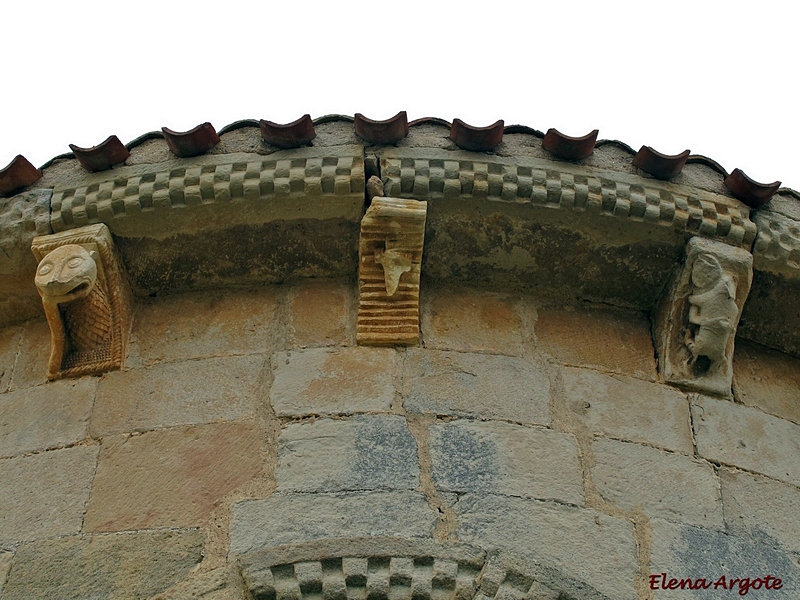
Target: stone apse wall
{"points": [[551, 405]]}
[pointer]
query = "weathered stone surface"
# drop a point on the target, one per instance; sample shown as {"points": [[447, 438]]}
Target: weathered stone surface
{"points": [[476, 385], [777, 245], [46, 416], [590, 546], [684, 551], [182, 393], [31, 366], [366, 452], [5, 565], [322, 313], [9, 349], [128, 566], [170, 478], [666, 485], [45, 495], [501, 458], [745, 437], [168, 329], [224, 583], [389, 263], [695, 321], [328, 381], [762, 509], [291, 518], [454, 319], [609, 340], [630, 409], [767, 379]]}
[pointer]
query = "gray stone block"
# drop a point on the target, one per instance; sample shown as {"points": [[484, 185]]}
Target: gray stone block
{"points": [[46, 416], [670, 486], [590, 546], [366, 452], [292, 518], [760, 508], [183, 393], [630, 409], [745, 437], [330, 381], [501, 458], [45, 495], [114, 566], [476, 385], [684, 551]]}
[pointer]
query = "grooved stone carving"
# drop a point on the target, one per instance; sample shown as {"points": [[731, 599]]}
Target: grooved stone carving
{"points": [[697, 317], [304, 174], [777, 246], [86, 301], [394, 569], [427, 175], [389, 259]]}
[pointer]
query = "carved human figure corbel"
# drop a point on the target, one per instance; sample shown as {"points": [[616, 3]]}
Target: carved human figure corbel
{"points": [[696, 319], [390, 257], [86, 300]]}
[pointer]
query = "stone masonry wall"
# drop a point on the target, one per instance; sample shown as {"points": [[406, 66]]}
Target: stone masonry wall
{"points": [[246, 420]]}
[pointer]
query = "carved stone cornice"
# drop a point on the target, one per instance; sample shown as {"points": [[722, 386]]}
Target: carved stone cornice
{"points": [[426, 174], [777, 245], [244, 188]]}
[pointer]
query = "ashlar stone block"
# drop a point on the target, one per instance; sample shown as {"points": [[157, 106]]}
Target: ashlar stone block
{"points": [[762, 509], [630, 409], [501, 458], [128, 566], [44, 495], [682, 552], [745, 437], [697, 317], [47, 416], [366, 452], [595, 548], [172, 477], [666, 485], [287, 518], [767, 379], [476, 385], [329, 381]]}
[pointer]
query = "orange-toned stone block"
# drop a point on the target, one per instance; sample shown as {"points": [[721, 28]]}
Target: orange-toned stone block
{"points": [[199, 325], [767, 379], [170, 478], [322, 314], [609, 340], [470, 321]]}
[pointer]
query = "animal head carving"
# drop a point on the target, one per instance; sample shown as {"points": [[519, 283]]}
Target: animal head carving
{"points": [[67, 273]]}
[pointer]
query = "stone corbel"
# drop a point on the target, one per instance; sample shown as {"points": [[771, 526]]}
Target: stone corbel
{"points": [[696, 319], [86, 298], [389, 260]]}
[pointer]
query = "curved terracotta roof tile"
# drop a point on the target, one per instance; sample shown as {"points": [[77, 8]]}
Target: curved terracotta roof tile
{"points": [[333, 119], [699, 159], [522, 129], [194, 142], [291, 135], [750, 192], [617, 143], [150, 135], [389, 131], [476, 139], [19, 173], [661, 166], [103, 156], [567, 147], [430, 121], [238, 125]]}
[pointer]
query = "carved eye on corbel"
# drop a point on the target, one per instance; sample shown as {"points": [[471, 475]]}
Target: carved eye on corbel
{"points": [[86, 300]]}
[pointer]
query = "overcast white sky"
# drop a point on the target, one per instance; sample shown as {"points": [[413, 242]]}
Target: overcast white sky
{"points": [[715, 77]]}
